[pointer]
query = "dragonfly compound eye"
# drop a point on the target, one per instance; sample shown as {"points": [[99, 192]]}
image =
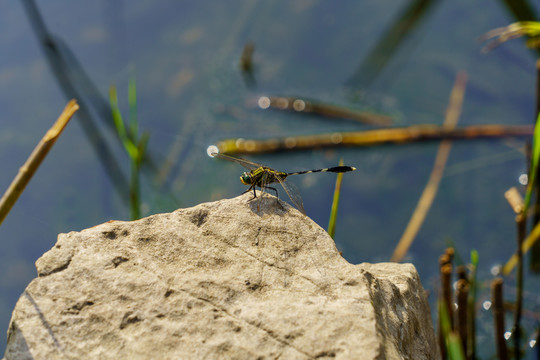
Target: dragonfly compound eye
{"points": [[245, 179]]}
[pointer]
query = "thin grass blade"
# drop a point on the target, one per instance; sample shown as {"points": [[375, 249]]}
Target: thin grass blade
{"points": [[534, 165], [116, 114], [132, 100]]}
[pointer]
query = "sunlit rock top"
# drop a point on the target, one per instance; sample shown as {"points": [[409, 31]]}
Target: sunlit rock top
{"points": [[229, 279]]}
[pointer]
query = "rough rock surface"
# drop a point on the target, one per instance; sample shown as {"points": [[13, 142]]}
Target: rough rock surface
{"points": [[233, 279]]}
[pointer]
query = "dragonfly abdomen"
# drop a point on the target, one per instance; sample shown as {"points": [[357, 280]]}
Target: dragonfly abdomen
{"points": [[335, 169]]}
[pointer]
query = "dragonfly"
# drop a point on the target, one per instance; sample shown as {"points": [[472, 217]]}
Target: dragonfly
{"points": [[262, 176]]}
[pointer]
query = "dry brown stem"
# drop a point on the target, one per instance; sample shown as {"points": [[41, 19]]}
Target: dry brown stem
{"points": [[34, 160]]}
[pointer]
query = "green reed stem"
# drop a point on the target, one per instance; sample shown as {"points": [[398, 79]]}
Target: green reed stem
{"points": [[335, 203]]}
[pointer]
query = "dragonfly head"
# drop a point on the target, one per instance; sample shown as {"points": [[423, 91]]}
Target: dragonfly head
{"points": [[246, 178]]}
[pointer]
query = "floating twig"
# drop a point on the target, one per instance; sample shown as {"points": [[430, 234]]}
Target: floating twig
{"points": [[409, 134], [328, 110]]}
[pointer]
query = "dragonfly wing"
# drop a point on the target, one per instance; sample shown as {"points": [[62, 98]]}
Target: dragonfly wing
{"points": [[293, 194], [245, 163]]}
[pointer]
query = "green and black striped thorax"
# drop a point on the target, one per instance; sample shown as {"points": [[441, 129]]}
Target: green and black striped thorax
{"points": [[262, 176]]}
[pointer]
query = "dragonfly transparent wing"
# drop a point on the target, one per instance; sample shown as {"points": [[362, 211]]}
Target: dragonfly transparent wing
{"points": [[293, 194], [245, 163]]}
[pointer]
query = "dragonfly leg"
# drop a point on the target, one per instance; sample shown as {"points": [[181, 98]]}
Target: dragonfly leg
{"points": [[271, 188], [277, 195], [254, 193]]}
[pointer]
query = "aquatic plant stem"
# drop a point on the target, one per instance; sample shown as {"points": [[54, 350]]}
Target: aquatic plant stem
{"points": [[471, 304], [428, 195], [516, 202], [444, 259], [446, 283], [498, 317], [462, 294], [534, 259], [444, 303], [134, 146], [521, 222], [34, 160]]}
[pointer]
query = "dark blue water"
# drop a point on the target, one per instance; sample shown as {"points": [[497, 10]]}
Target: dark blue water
{"points": [[191, 94]]}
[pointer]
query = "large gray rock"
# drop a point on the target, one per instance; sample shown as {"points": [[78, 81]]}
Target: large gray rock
{"points": [[222, 280]]}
